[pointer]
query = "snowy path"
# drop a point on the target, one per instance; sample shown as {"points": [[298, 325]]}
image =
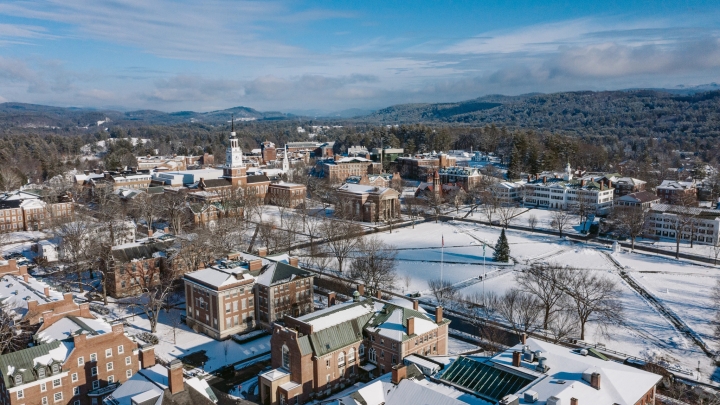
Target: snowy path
{"points": [[667, 313]]}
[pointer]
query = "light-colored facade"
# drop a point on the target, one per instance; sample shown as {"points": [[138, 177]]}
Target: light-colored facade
{"points": [[565, 193], [666, 221], [368, 203]]}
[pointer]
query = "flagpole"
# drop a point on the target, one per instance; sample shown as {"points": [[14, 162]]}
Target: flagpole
{"points": [[442, 257]]}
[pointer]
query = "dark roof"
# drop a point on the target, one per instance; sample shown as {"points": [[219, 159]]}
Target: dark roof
{"points": [[23, 361], [138, 251], [282, 271], [10, 204], [483, 379], [338, 336], [643, 196], [217, 183], [259, 178]]}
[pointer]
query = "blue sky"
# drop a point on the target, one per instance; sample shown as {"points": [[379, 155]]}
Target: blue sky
{"points": [[296, 55]]}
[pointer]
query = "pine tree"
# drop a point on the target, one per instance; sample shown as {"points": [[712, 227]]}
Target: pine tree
{"points": [[502, 249]]}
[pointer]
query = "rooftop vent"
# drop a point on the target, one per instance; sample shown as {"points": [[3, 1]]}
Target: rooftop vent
{"points": [[530, 397], [554, 401], [509, 400], [542, 365]]}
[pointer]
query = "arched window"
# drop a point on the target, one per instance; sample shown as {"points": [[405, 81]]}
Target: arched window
{"points": [[351, 355], [361, 350], [341, 359], [286, 357], [372, 356]]}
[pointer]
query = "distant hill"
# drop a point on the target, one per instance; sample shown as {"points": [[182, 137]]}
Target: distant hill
{"points": [[40, 116]]}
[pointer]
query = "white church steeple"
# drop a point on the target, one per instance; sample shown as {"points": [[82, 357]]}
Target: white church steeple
{"points": [[233, 154], [568, 173], [285, 162]]}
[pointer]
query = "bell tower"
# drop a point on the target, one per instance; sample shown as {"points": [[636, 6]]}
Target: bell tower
{"points": [[234, 170]]}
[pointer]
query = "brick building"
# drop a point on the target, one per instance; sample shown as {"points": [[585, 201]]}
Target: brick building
{"points": [[283, 289], [628, 185], [76, 360], [326, 351], [418, 167], [221, 299], [134, 266], [340, 168], [644, 199], [284, 194], [677, 192], [31, 214], [268, 152]]}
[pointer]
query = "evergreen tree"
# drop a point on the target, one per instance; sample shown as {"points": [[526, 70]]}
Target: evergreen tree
{"points": [[513, 170], [502, 249]]}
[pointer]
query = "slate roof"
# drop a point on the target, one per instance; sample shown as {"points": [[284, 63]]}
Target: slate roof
{"points": [[24, 361], [338, 336], [641, 197], [258, 178], [216, 183], [139, 251], [8, 204], [280, 272]]}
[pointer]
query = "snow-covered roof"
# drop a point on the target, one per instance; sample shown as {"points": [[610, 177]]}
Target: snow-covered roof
{"points": [[69, 325], [619, 384], [15, 293], [218, 278], [274, 374], [362, 189], [408, 391], [392, 323], [328, 317]]}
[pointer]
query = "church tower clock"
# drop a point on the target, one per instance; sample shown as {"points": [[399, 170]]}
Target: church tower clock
{"points": [[234, 169]]}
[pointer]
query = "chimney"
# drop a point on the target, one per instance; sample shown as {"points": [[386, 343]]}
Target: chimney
{"points": [[166, 230], [523, 338], [254, 265], [79, 340], [544, 179], [147, 356], [31, 305], [378, 294], [595, 380], [294, 261], [516, 359], [582, 183], [602, 185], [26, 277], [399, 373], [609, 183], [332, 297], [150, 233], [438, 314], [175, 377], [411, 326], [68, 297], [574, 401], [47, 292], [361, 289], [416, 305], [337, 157], [262, 252]]}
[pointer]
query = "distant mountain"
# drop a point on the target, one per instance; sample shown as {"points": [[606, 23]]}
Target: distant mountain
{"points": [[41, 116]]}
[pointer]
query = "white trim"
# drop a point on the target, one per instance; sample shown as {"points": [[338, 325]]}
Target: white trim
{"points": [[37, 382]]}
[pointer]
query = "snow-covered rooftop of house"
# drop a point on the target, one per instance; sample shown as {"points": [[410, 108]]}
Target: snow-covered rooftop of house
{"points": [[619, 384], [328, 317], [65, 327], [15, 292], [362, 188], [408, 391], [393, 327], [150, 382], [60, 353], [274, 374], [218, 278], [405, 303]]}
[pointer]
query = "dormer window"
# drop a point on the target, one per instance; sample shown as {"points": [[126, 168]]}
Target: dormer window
{"points": [[18, 379], [41, 372], [55, 368]]}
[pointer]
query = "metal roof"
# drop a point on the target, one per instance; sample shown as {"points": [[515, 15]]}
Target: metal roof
{"points": [[23, 361], [483, 379], [338, 336]]}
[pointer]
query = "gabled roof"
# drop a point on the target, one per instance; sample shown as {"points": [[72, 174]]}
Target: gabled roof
{"points": [[259, 178], [640, 197], [138, 251], [392, 321], [338, 336], [24, 361], [279, 272]]}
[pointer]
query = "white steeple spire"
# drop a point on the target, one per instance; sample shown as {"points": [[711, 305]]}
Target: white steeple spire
{"points": [[568, 173], [285, 162], [233, 154]]}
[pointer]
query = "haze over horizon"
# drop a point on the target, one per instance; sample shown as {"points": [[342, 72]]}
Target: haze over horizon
{"points": [[311, 55]]}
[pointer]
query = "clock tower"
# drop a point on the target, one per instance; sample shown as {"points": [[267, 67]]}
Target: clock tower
{"points": [[234, 170]]}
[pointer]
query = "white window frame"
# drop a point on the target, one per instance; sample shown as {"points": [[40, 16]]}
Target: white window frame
{"points": [[20, 394], [94, 371], [121, 349], [57, 397], [76, 390], [96, 384], [43, 387], [128, 361], [108, 353], [128, 373], [58, 381], [109, 366], [81, 361], [93, 357], [111, 379], [44, 401], [74, 377]]}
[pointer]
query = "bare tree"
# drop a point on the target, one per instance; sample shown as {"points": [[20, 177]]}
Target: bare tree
{"points": [[480, 315], [75, 235], [520, 310], [173, 207], [490, 204], [342, 237], [444, 292], [595, 299], [412, 204], [506, 212], [374, 264], [435, 202], [685, 221], [14, 334], [407, 281], [563, 324], [155, 291], [716, 253], [532, 222], [560, 219], [546, 282], [458, 198], [145, 207], [583, 206], [631, 221], [10, 180]]}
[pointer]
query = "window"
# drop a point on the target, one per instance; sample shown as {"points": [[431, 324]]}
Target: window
{"points": [[286, 357], [76, 391], [93, 357], [44, 401], [96, 384], [372, 355], [93, 371], [76, 402], [57, 383], [18, 379], [81, 361], [74, 377], [235, 306], [128, 373], [361, 350], [41, 372], [108, 353], [227, 307], [111, 379], [109, 366], [351, 355], [20, 394], [57, 397], [341, 359], [128, 360], [121, 349]]}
